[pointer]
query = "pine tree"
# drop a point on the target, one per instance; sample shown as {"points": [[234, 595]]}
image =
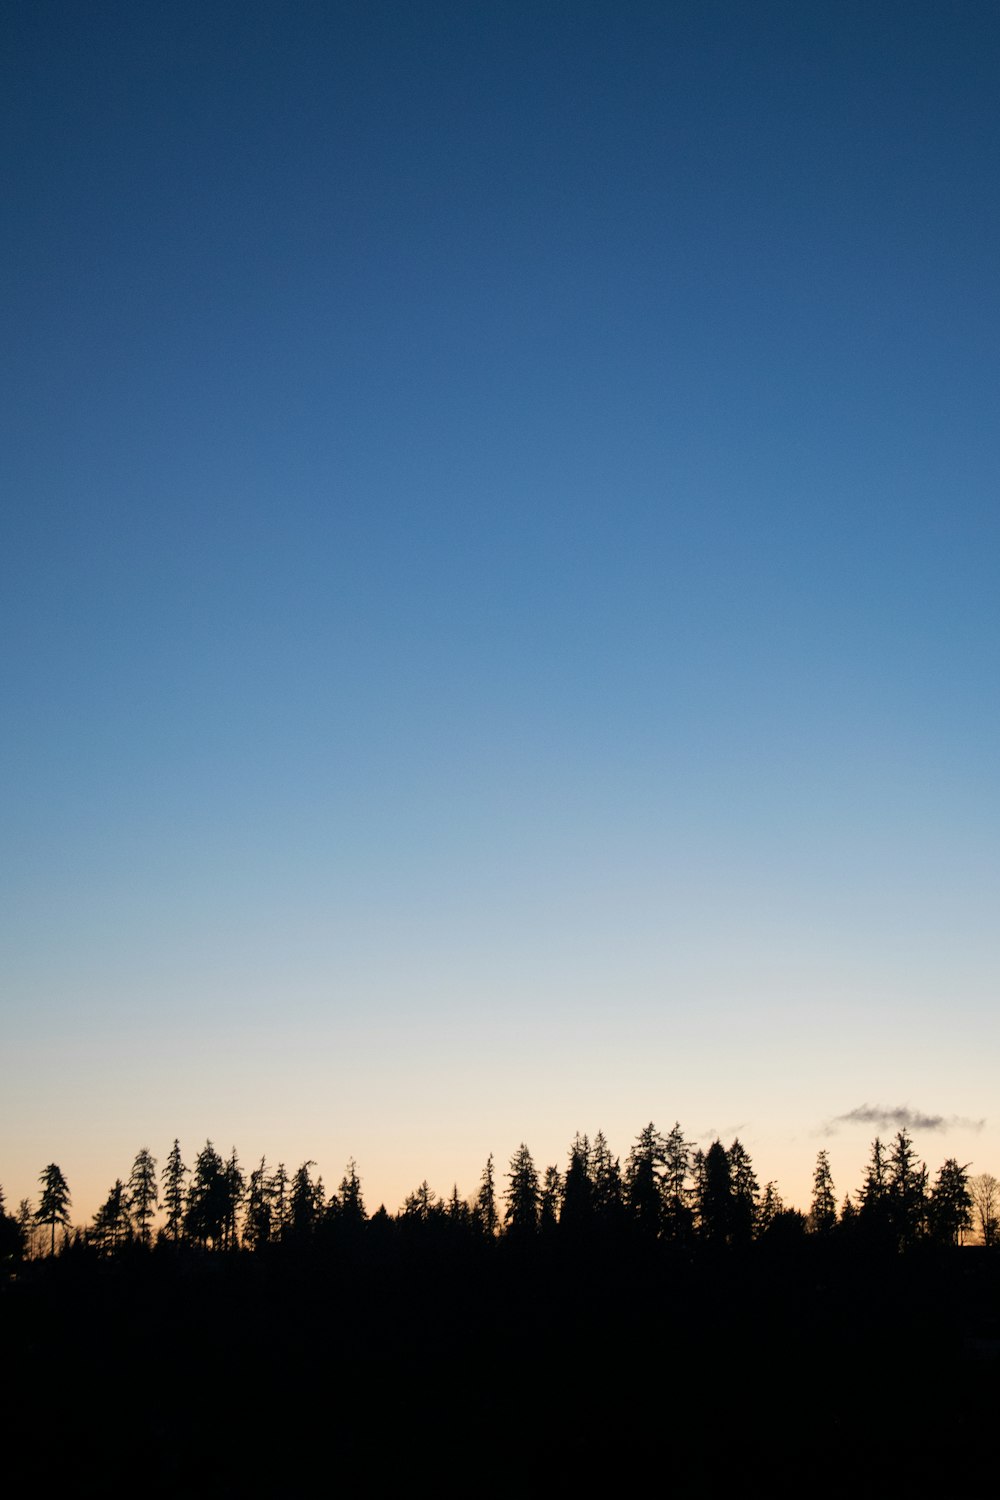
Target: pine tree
{"points": [[486, 1202], [606, 1185], [823, 1214], [906, 1192], [257, 1223], [523, 1195], [352, 1205], [112, 1223], [676, 1195], [578, 1189], [173, 1175], [744, 1193], [643, 1196], [54, 1206], [715, 1207], [950, 1205], [551, 1199], [207, 1206], [143, 1195]]}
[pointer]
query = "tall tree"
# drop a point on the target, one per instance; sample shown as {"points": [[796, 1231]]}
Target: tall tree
{"points": [[745, 1193], [113, 1222], [523, 1195], [606, 1184], [551, 1199], [54, 1206], [207, 1204], [173, 1175], [676, 1195], [907, 1191], [352, 1204], [486, 1201], [143, 1195], [949, 1209], [715, 1207], [235, 1185], [643, 1196], [823, 1213], [257, 1223], [985, 1192], [578, 1188]]}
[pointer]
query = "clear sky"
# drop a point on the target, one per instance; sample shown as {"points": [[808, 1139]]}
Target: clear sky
{"points": [[499, 615]]}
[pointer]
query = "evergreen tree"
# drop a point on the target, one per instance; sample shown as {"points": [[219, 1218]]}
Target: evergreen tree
{"points": [[143, 1195], [279, 1201], [823, 1214], [578, 1189], [551, 1199], [606, 1185], [645, 1163], [715, 1206], [744, 1189], [906, 1192], [352, 1205], [771, 1208], [257, 1223], [677, 1161], [112, 1225], [523, 1195], [235, 1192], [54, 1205], [486, 1202], [207, 1207], [950, 1205], [305, 1204], [173, 1175]]}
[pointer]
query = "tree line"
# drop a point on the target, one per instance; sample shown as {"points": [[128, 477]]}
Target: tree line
{"points": [[667, 1189]]}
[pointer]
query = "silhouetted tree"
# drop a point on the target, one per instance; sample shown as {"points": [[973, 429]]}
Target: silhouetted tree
{"points": [[279, 1201], [906, 1191], [578, 1190], [54, 1206], [771, 1208], [949, 1209], [874, 1216], [143, 1195], [352, 1206], [985, 1192], [745, 1191], [235, 1185], [523, 1194], [823, 1213], [421, 1205], [173, 1175], [257, 1222], [486, 1201], [207, 1207], [12, 1244], [715, 1206], [112, 1223], [551, 1199], [305, 1204], [642, 1180], [606, 1185], [677, 1216]]}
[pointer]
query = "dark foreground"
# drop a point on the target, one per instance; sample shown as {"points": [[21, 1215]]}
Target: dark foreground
{"points": [[514, 1370]]}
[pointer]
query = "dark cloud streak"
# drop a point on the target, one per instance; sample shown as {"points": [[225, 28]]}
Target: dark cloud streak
{"points": [[901, 1118]]}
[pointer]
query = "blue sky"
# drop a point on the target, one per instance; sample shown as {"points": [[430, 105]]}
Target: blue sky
{"points": [[498, 581]]}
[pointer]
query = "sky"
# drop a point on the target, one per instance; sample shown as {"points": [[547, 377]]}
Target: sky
{"points": [[499, 614]]}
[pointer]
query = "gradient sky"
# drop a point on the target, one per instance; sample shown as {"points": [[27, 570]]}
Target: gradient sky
{"points": [[498, 582]]}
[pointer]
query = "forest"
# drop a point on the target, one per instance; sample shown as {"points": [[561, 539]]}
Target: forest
{"points": [[667, 1190], [217, 1330]]}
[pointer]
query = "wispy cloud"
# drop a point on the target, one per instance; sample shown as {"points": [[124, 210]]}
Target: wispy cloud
{"points": [[900, 1118]]}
